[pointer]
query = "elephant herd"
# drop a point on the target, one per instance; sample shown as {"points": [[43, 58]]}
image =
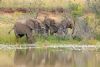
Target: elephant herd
{"points": [[46, 27]]}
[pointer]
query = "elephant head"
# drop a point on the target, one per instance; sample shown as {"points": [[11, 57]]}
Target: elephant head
{"points": [[64, 25], [50, 25], [36, 25]]}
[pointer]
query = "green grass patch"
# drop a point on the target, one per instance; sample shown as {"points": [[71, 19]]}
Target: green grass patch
{"points": [[98, 37], [54, 40], [6, 24], [6, 38]]}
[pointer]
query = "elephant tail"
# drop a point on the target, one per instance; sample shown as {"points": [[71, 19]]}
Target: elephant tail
{"points": [[10, 30]]}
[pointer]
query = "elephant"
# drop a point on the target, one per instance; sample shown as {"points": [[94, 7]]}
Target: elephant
{"points": [[50, 26], [25, 28], [64, 25], [58, 28]]}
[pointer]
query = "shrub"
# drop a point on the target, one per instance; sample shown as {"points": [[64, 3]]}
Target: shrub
{"points": [[76, 9]]}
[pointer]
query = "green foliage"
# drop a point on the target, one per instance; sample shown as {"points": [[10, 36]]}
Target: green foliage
{"points": [[98, 37], [76, 9], [5, 38], [51, 39]]}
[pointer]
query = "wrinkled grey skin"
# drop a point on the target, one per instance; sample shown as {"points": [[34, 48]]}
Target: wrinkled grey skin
{"points": [[38, 26], [59, 28], [63, 26], [24, 28], [50, 25]]}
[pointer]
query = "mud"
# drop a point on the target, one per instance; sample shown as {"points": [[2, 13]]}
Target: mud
{"points": [[27, 10]]}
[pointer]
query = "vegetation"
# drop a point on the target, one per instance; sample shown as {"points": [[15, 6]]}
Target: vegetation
{"points": [[76, 9]]}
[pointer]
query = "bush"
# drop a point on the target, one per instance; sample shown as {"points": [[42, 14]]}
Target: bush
{"points": [[76, 9]]}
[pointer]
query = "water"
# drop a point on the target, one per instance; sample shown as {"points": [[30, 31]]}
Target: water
{"points": [[49, 57]]}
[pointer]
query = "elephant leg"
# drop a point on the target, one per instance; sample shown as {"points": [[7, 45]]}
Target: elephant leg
{"points": [[29, 38], [52, 32], [60, 32], [47, 29], [46, 32], [66, 31]]}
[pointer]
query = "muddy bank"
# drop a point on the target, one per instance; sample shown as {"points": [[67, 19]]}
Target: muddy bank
{"points": [[27, 10]]}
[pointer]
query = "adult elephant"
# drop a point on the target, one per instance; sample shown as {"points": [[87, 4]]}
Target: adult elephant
{"points": [[64, 25], [60, 28], [24, 28], [50, 26]]}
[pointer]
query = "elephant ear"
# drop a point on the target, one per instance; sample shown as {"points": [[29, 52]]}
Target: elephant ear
{"points": [[30, 23], [47, 21]]}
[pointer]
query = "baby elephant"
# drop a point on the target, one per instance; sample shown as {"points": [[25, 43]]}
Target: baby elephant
{"points": [[24, 28]]}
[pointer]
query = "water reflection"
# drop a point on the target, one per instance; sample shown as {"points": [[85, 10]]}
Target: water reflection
{"points": [[52, 57]]}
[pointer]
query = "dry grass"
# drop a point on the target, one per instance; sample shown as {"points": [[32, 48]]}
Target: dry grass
{"points": [[37, 3], [7, 24], [57, 17]]}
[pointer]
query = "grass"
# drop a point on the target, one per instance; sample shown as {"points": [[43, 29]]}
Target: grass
{"points": [[98, 37], [32, 3], [36, 3], [6, 38], [7, 21], [40, 40], [55, 40]]}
